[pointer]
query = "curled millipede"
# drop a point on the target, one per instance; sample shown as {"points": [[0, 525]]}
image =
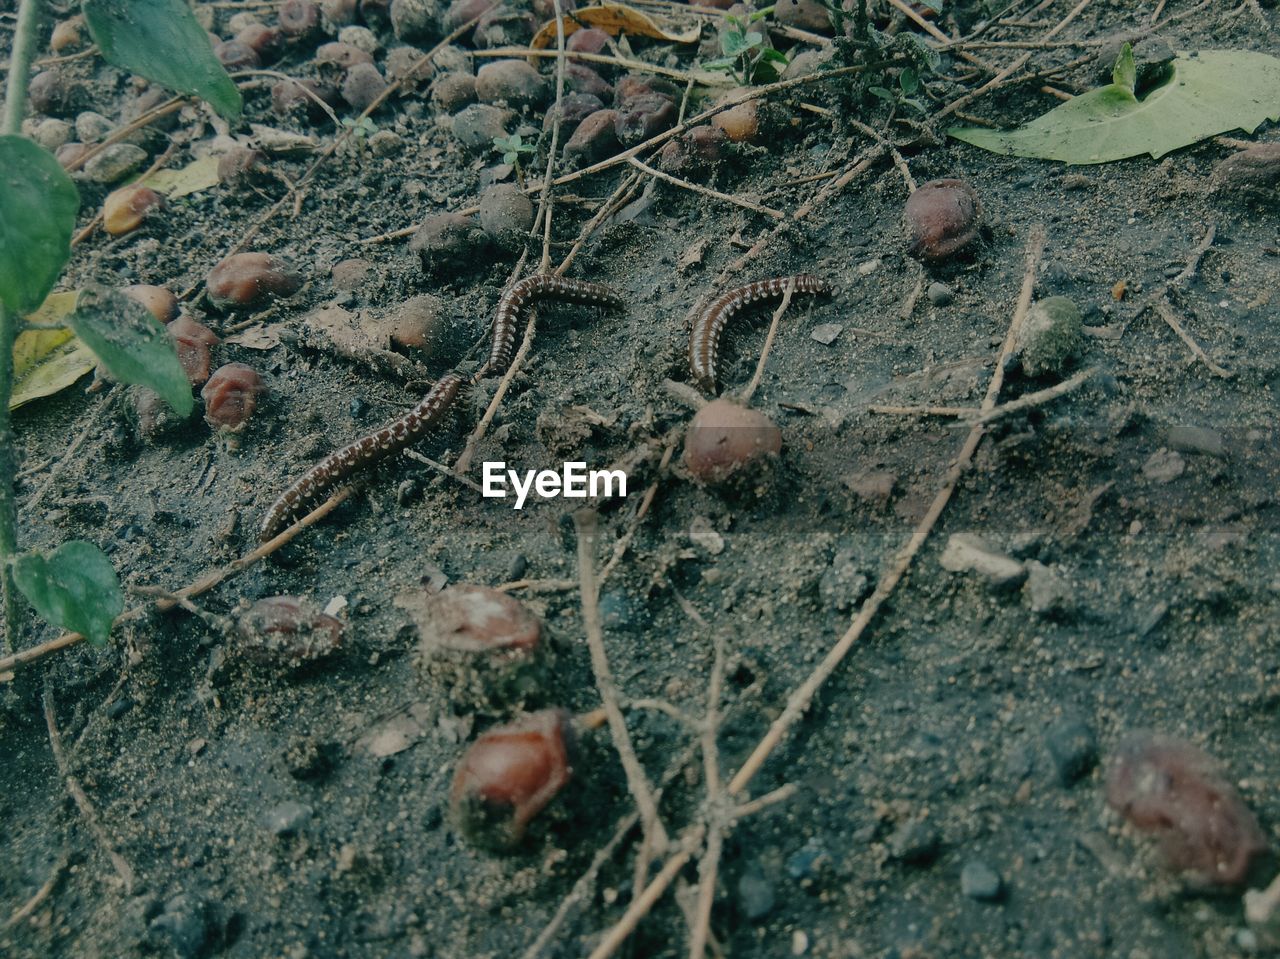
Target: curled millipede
{"points": [[334, 468], [522, 292], [704, 342]]}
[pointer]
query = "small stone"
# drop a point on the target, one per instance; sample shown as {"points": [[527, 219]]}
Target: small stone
{"points": [[842, 584], [453, 91], [115, 163], [966, 552], [1052, 335], [506, 214], [979, 881], [803, 14], [1073, 749], [1252, 171], [511, 82], [447, 243], [386, 143], [755, 895], [940, 294], [183, 924], [1164, 466], [867, 267], [874, 487], [915, 843], [362, 38], [1046, 592], [92, 127], [478, 125], [52, 133], [119, 707], [799, 942], [286, 818], [363, 85], [1196, 439], [350, 274], [825, 333], [809, 861], [414, 20]]}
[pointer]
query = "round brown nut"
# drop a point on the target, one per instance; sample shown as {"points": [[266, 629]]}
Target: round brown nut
{"points": [[726, 438], [513, 82], [741, 124], [263, 40], [231, 396], [162, 304], [591, 40], [236, 55], [286, 631], [509, 775], [503, 26], [595, 138], [68, 35], [299, 19], [363, 86], [453, 91], [448, 243], [942, 218], [579, 78], [303, 96], [55, 94], [250, 280], [193, 341], [341, 55], [125, 209], [644, 117]]}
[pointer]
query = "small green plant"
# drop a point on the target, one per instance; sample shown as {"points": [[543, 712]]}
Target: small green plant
{"points": [[512, 148], [75, 586], [361, 129], [745, 54], [903, 92]]}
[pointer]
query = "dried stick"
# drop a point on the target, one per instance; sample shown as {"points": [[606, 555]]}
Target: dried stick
{"points": [[710, 864], [898, 160], [1038, 398], [706, 191], [41, 894], [545, 200], [1161, 305], [585, 522], [768, 342], [1159, 301], [800, 699], [924, 410], [203, 585], [122, 868]]}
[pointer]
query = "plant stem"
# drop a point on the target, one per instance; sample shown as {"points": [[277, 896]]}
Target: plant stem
{"points": [[15, 102], [8, 469], [24, 46]]}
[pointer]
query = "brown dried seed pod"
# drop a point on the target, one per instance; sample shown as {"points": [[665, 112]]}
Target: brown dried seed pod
{"points": [[250, 280], [263, 40], [193, 341], [299, 19], [644, 117], [286, 631], [725, 438], [579, 78], [290, 97], [741, 124], [239, 165], [942, 218], [236, 55], [590, 40], [341, 55], [1255, 170], [125, 209], [508, 776], [231, 396], [68, 35], [162, 304], [595, 138]]}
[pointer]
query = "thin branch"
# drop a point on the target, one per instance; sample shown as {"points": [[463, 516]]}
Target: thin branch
{"points": [[706, 191], [87, 811], [768, 342]]}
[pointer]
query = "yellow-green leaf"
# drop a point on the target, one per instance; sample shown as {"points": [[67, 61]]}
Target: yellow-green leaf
{"points": [[613, 19], [48, 361], [195, 176]]}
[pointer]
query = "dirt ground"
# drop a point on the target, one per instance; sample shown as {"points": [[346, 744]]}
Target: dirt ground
{"points": [[967, 732]]}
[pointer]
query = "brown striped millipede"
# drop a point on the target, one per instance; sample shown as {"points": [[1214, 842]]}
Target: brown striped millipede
{"points": [[531, 288], [709, 326], [334, 468]]}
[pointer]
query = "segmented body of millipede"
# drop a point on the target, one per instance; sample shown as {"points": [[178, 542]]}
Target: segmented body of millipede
{"points": [[505, 325], [406, 430], [710, 324]]}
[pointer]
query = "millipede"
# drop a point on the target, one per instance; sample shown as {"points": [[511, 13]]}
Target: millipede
{"points": [[406, 430], [400, 433], [709, 326], [542, 285]]}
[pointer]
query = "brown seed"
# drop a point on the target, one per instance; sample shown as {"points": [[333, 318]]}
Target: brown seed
{"points": [[741, 124], [595, 139], [250, 280], [694, 151], [1255, 170], [68, 35], [340, 12], [125, 209], [193, 341], [54, 94], [591, 40], [504, 27], [236, 55], [453, 91], [803, 14], [70, 153], [572, 109], [463, 11], [509, 775], [633, 86], [579, 78], [231, 395], [363, 85], [448, 243], [299, 19], [725, 438], [644, 117], [286, 631], [162, 304], [942, 218], [506, 214], [300, 96], [265, 41], [513, 82], [341, 55], [239, 165], [477, 619]]}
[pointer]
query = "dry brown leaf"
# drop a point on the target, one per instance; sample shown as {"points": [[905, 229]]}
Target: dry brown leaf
{"points": [[613, 19]]}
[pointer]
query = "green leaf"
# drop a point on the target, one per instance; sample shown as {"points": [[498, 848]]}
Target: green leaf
{"points": [[75, 587], [770, 55], [163, 41], [132, 346], [1210, 92], [46, 361], [909, 80], [733, 42], [1125, 72], [39, 204]]}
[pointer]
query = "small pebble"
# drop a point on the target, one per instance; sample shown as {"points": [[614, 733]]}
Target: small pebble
{"points": [[92, 127], [286, 818], [940, 294], [52, 133], [1052, 335], [453, 91], [1196, 439], [476, 126], [915, 842], [511, 82], [386, 143], [979, 881], [1073, 749], [506, 214], [1047, 593], [966, 552], [1164, 466], [350, 274], [115, 163], [448, 243], [183, 926], [755, 894], [826, 333]]}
